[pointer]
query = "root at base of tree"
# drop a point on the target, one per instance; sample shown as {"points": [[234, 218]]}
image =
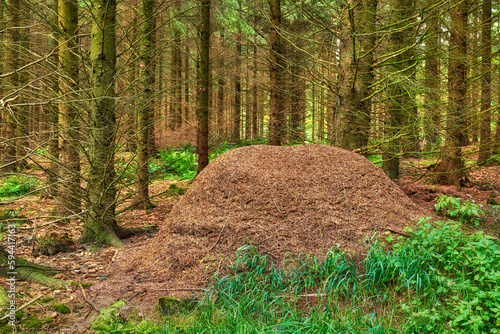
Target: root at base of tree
{"points": [[28, 271]]}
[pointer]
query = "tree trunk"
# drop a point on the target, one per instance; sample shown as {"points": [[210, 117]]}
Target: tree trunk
{"points": [[276, 117], [432, 117], [237, 90], [358, 74], [204, 75], [70, 191], [485, 119], [399, 100], [144, 120], [12, 64], [53, 117], [255, 131], [220, 124], [450, 169], [100, 221], [186, 71]]}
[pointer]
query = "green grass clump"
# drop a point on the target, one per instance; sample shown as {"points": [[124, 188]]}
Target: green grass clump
{"points": [[17, 185]]}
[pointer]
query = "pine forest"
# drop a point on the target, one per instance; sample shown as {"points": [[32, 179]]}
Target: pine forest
{"points": [[319, 166]]}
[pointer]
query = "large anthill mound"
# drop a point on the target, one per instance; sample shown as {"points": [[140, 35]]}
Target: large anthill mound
{"points": [[279, 199]]}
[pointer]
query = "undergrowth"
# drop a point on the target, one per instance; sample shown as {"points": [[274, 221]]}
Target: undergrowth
{"points": [[181, 163], [455, 208], [440, 280], [17, 185]]}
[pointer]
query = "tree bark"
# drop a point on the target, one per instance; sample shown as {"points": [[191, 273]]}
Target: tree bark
{"points": [[144, 121], [485, 119], [204, 75], [450, 169], [358, 74], [100, 221], [12, 64], [276, 117], [237, 90], [398, 103], [53, 115], [255, 131], [432, 117], [69, 190], [221, 90]]}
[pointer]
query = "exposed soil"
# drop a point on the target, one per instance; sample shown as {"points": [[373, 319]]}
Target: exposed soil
{"points": [[282, 200]]}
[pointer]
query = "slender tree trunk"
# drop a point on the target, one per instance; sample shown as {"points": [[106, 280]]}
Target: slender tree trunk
{"points": [[176, 77], [237, 91], [187, 106], [358, 74], [146, 110], [255, 111], [221, 94], [368, 22], [432, 117], [203, 98], [53, 116], [12, 64], [22, 114], [3, 111], [248, 109], [485, 119], [70, 191], [276, 117]]}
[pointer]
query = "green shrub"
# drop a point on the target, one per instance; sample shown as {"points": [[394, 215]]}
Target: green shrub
{"points": [[454, 208]]}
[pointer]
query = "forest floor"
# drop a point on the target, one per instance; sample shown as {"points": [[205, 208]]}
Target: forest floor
{"points": [[90, 265]]}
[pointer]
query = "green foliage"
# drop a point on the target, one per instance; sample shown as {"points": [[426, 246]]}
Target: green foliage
{"points": [[126, 170], [180, 163], [226, 146], [453, 207], [17, 185], [376, 159]]}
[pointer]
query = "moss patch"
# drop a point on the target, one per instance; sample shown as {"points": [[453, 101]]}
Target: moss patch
{"points": [[61, 308], [170, 306]]}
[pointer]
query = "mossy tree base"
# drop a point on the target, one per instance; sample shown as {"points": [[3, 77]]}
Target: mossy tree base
{"points": [[451, 169], [107, 234]]}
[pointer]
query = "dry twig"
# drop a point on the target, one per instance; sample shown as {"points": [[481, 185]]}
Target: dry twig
{"points": [[85, 297]]}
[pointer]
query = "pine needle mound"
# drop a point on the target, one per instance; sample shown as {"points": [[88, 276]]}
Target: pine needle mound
{"points": [[282, 200]]}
